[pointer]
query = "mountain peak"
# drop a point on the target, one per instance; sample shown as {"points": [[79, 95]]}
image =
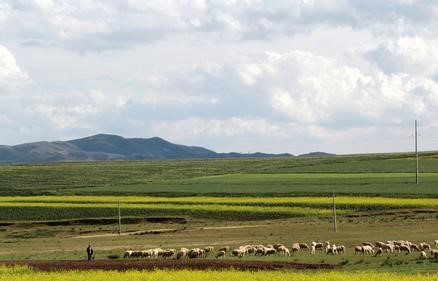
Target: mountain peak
{"points": [[100, 136], [316, 154], [109, 147]]}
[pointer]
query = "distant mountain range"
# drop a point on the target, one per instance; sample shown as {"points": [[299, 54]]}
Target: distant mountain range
{"points": [[316, 154], [111, 147]]}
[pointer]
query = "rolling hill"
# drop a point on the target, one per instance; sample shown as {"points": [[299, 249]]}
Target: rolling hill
{"points": [[110, 147]]}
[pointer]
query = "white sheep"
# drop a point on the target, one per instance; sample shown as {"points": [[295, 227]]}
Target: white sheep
{"points": [[127, 254], [318, 245], [208, 249], [136, 254], [405, 248], [238, 253], [225, 249], [169, 253], [358, 249], [379, 252], [366, 249], [387, 247], [425, 247], [340, 248], [304, 246], [270, 251], [146, 253], [312, 249], [156, 252], [295, 247], [220, 254], [182, 253], [333, 249], [196, 253], [260, 251], [250, 250], [415, 247], [423, 255], [284, 250]]}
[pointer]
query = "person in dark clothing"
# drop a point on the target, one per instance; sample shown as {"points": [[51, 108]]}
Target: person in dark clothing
{"points": [[90, 252]]}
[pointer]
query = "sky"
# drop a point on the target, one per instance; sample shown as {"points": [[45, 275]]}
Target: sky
{"points": [[231, 75]]}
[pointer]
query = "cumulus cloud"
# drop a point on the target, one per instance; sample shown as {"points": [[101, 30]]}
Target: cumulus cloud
{"points": [[96, 25], [313, 89], [413, 55], [5, 12], [11, 76], [229, 127], [229, 73], [270, 94]]}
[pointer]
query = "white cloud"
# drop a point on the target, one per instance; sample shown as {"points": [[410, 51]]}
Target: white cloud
{"points": [[96, 25], [11, 76], [66, 116], [226, 128], [315, 89], [413, 55], [180, 99], [257, 73], [5, 12]]}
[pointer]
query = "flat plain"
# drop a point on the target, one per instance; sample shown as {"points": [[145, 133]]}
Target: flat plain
{"points": [[218, 202]]}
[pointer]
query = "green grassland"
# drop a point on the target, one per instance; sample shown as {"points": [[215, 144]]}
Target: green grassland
{"points": [[52, 211], [373, 175], [49, 208], [40, 241]]}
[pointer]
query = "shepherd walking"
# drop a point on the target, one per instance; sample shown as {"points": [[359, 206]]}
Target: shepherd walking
{"points": [[90, 252]]}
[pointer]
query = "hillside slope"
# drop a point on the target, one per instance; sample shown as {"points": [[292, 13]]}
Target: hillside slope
{"points": [[109, 147]]}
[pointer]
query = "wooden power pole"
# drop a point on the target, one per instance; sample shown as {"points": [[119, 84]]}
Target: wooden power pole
{"points": [[120, 220], [335, 227], [416, 153]]}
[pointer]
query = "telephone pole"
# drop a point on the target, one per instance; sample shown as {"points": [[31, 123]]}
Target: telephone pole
{"points": [[416, 153], [120, 220], [335, 227]]}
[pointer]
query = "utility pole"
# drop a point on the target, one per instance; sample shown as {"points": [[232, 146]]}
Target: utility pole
{"points": [[335, 227], [416, 153], [120, 220]]}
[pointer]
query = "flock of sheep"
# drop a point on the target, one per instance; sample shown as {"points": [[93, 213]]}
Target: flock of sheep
{"points": [[376, 249], [169, 253]]}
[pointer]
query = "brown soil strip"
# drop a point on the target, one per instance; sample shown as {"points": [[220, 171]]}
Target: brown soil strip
{"points": [[122, 265], [140, 232]]}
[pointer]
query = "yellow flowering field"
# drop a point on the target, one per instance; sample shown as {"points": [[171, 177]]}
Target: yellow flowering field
{"points": [[25, 274]]}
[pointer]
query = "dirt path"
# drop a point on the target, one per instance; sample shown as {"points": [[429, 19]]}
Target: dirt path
{"points": [[233, 227], [122, 265], [166, 230], [140, 232]]}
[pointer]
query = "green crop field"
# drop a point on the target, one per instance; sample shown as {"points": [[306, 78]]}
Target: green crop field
{"points": [[46, 208], [50, 211], [373, 175]]}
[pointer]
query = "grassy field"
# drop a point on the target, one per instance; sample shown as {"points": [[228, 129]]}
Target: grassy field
{"points": [[379, 174], [52, 211], [35, 241], [50, 208], [23, 274]]}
